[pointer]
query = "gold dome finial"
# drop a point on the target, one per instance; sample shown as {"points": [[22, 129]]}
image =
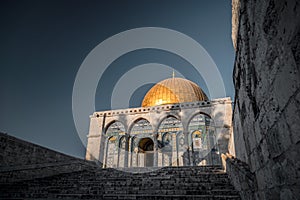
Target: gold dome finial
{"points": [[173, 74]]}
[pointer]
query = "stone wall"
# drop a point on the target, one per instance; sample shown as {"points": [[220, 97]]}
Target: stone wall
{"points": [[242, 178], [16, 152], [21, 160], [267, 88]]}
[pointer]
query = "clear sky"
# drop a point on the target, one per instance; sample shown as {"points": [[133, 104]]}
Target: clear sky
{"points": [[43, 44]]}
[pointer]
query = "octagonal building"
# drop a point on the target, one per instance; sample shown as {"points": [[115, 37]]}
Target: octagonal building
{"points": [[176, 125]]}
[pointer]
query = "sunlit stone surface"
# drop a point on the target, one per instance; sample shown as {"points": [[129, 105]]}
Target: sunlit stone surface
{"points": [[267, 105]]}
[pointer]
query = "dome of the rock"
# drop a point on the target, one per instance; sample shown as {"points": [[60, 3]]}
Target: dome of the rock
{"points": [[173, 90]]}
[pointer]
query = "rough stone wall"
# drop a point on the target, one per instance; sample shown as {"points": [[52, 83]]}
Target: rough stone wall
{"points": [[21, 160], [16, 152], [267, 88]]}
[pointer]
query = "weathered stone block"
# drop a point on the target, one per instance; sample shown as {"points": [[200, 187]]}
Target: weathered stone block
{"points": [[267, 83], [292, 118]]}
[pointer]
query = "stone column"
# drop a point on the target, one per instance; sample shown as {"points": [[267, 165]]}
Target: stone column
{"points": [[159, 154], [126, 150], [104, 165], [155, 150], [186, 154], [129, 151], [102, 141], [209, 146], [174, 150]]}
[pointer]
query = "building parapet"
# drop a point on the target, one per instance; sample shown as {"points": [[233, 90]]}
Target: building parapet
{"points": [[166, 107]]}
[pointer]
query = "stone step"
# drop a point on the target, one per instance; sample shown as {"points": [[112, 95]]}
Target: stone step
{"points": [[149, 179], [126, 175], [179, 197], [133, 197], [166, 183], [131, 190], [86, 187], [161, 184], [173, 191], [124, 196]]}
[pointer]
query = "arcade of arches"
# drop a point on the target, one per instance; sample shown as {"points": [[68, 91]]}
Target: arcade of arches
{"points": [[167, 134], [167, 147]]}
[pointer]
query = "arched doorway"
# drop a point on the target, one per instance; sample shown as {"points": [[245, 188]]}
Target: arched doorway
{"points": [[140, 129], [146, 146]]}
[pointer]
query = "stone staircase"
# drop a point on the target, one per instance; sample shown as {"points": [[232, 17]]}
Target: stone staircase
{"points": [[207, 182]]}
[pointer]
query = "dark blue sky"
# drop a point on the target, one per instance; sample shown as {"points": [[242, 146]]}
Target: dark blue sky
{"points": [[43, 44]]}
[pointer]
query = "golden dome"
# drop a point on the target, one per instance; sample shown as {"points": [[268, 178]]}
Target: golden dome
{"points": [[173, 90]]}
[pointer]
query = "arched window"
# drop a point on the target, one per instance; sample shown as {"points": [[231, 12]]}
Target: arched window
{"points": [[166, 140], [170, 125], [198, 132], [122, 151], [115, 129], [113, 134], [202, 139], [197, 122], [141, 126], [134, 152]]}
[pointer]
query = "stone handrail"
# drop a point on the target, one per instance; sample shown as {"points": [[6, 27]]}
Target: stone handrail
{"points": [[240, 176]]}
